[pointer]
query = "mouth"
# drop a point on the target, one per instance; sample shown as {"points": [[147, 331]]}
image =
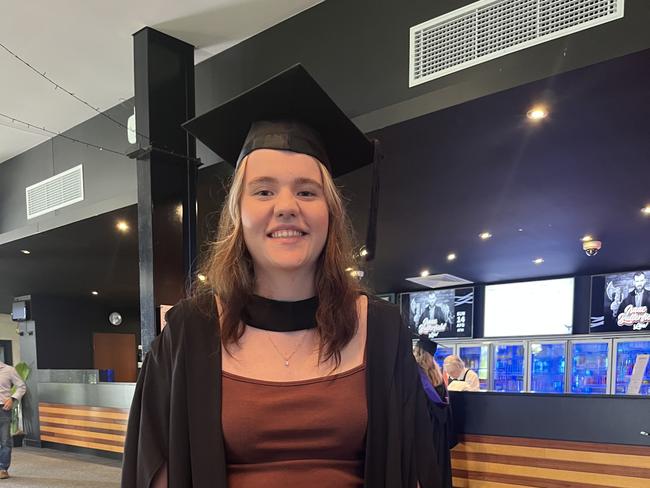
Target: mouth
{"points": [[285, 233]]}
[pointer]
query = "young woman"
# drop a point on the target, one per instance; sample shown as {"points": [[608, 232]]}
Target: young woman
{"points": [[284, 373]]}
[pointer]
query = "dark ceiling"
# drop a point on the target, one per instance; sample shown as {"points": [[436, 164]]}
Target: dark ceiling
{"points": [[482, 165], [74, 260], [446, 177]]}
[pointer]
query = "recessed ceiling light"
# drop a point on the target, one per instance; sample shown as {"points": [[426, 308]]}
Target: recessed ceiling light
{"points": [[179, 211], [451, 256], [586, 238], [485, 235], [538, 260], [95, 292], [537, 113], [348, 269], [646, 210], [122, 226], [520, 229], [201, 277], [25, 251], [424, 273]]}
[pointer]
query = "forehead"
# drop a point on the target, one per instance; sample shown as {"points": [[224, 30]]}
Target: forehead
{"points": [[284, 166]]}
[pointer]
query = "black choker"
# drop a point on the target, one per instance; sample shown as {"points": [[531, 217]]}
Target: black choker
{"points": [[277, 316]]}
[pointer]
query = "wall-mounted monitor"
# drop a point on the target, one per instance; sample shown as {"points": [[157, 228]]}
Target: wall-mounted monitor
{"points": [[621, 302], [529, 308], [440, 313]]}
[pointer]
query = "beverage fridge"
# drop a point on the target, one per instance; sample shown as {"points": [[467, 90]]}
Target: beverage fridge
{"points": [[476, 357], [547, 366], [630, 353], [590, 366], [509, 367]]}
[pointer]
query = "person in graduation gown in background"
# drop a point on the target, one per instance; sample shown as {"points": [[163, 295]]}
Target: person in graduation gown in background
{"points": [[282, 372], [444, 434]]}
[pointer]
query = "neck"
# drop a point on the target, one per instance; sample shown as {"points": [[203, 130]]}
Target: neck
{"points": [[290, 286]]}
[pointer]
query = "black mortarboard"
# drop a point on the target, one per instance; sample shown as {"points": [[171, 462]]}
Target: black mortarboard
{"points": [[427, 344], [291, 112]]}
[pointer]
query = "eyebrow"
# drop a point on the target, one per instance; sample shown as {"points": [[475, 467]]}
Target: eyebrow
{"points": [[269, 180]]}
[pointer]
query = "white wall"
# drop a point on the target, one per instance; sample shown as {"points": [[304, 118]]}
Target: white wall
{"points": [[8, 332]]}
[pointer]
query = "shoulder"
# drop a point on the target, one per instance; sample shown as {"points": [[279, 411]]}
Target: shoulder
{"points": [[198, 308]]}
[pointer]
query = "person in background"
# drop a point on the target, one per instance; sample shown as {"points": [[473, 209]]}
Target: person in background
{"points": [[460, 378], [8, 378], [638, 297], [444, 436]]}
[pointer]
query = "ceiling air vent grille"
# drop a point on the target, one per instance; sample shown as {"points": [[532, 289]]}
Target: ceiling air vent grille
{"points": [[488, 29], [56, 192]]}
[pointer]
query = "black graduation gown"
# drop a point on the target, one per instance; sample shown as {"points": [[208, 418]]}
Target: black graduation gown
{"points": [[175, 416]]}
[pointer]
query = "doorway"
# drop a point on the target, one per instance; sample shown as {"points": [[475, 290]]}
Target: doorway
{"points": [[116, 352]]}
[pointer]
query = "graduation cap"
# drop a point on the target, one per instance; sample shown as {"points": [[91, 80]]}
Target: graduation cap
{"points": [[291, 112], [427, 344]]}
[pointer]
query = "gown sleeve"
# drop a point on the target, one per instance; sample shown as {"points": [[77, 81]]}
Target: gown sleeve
{"points": [[147, 437]]}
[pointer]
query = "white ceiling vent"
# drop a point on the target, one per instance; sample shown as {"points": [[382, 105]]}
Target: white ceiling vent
{"points": [[488, 29], [56, 192], [439, 281]]}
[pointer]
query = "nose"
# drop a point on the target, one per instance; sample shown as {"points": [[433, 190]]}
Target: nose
{"points": [[286, 205]]}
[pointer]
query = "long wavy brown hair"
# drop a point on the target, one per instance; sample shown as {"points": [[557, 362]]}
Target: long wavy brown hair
{"points": [[429, 365], [229, 272]]}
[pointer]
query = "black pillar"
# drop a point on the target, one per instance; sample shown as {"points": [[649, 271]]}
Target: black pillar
{"points": [[167, 172]]}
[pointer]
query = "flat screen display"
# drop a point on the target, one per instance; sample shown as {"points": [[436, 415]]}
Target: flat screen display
{"points": [[441, 313], [626, 302], [529, 308]]}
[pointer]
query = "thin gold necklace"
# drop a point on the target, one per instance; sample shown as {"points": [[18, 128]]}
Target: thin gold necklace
{"points": [[287, 358]]}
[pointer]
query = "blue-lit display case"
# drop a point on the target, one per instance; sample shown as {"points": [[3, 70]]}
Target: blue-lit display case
{"points": [[442, 352], [628, 354], [509, 367], [590, 367], [476, 358], [547, 367]]}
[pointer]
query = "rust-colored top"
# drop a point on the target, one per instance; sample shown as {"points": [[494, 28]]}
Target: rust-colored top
{"points": [[299, 433]]}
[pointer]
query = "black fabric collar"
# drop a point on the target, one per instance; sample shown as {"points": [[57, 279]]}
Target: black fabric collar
{"points": [[277, 316]]}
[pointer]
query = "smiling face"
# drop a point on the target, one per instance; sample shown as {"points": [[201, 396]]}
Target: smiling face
{"points": [[284, 214]]}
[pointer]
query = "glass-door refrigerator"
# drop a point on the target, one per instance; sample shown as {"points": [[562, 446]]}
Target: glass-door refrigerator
{"points": [[632, 374], [509, 367], [476, 357], [590, 366], [547, 362], [442, 352]]}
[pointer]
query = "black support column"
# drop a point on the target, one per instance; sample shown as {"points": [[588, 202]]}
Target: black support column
{"points": [[167, 172]]}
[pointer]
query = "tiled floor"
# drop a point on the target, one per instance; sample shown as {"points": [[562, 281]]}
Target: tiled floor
{"points": [[48, 468]]}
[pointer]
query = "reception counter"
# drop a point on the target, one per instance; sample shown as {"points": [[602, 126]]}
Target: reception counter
{"points": [[551, 440], [89, 416]]}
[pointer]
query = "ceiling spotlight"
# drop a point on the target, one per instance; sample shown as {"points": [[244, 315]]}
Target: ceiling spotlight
{"points": [[538, 260], [537, 113], [122, 226], [424, 273], [485, 235], [451, 256], [179, 211], [95, 292], [347, 270], [201, 277], [25, 251], [646, 210], [586, 238]]}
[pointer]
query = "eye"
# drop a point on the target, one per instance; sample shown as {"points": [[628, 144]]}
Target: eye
{"points": [[306, 193], [263, 193]]}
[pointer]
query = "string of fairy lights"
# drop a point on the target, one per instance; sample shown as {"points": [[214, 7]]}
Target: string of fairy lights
{"points": [[20, 124]]}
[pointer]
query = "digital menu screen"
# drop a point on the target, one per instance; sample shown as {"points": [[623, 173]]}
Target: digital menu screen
{"points": [[440, 313]]}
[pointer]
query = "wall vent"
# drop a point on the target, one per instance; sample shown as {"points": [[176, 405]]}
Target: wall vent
{"points": [[488, 29], [56, 192], [439, 281]]}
